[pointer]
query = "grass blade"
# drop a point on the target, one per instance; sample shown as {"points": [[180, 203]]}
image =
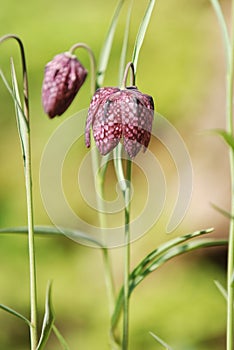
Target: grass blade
{"points": [[47, 321], [222, 211], [173, 251], [166, 247], [12, 95], [181, 249], [141, 33], [228, 137], [22, 123], [15, 313], [125, 44], [106, 49], [160, 341], [60, 338], [221, 289], [50, 230], [223, 26]]}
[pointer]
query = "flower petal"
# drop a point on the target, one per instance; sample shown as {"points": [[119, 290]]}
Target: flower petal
{"points": [[98, 100], [64, 76]]}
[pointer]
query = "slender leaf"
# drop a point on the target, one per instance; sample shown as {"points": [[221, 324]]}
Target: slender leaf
{"points": [[11, 92], [160, 341], [136, 278], [223, 26], [50, 230], [232, 280], [15, 313], [228, 138], [20, 117], [141, 33], [125, 44], [166, 247], [222, 211], [181, 249], [106, 49], [221, 289], [47, 321], [60, 338]]}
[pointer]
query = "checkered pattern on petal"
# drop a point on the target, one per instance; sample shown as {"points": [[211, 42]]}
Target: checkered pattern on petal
{"points": [[63, 78], [116, 114], [138, 124], [96, 110]]}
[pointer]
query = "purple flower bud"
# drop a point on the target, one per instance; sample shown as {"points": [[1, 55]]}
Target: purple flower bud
{"points": [[116, 114], [64, 76]]}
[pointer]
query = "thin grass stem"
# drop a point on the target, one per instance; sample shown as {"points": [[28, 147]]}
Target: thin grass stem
{"points": [[229, 122], [127, 196], [29, 198]]}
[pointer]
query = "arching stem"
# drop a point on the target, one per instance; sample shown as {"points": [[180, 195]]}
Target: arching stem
{"points": [[125, 77], [92, 63], [29, 196]]}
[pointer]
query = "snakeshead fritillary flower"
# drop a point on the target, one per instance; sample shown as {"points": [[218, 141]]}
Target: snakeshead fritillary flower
{"points": [[116, 114], [64, 76]]}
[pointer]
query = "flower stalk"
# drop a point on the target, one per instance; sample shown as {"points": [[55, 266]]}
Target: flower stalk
{"points": [[127, 254], [229, 122], [26, 145]]}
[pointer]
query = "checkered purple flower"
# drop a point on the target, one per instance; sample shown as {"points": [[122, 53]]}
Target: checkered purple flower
{"points": [[116, 114], [64, 76]]}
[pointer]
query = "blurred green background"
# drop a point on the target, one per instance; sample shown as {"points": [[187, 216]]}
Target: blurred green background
{"points": [[182, 65]]}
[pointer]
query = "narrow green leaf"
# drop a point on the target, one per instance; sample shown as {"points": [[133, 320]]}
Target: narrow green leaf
{"points": [[123, 56], [15, 313], [228, 138], [136, 278], [141, 33], [221, 289], [232, 280], [223, 26], [181, 249], [11, 92], [166, 247], [22, 124], [106, 49], [50, 230], [222, 211], [60, 338], [47, 321], [160, 341]]}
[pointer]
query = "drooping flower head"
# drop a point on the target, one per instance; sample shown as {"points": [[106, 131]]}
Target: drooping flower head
{"points": [[116, 114], [64, 76]]}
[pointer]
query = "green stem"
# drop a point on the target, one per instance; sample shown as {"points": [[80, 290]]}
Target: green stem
{"points": [[29, 198], [31, 245], [92, 63], [99, 175], [106, 258], [127, 196], [229, 121]]}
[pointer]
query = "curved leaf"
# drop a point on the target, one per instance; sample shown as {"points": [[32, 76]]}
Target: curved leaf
{"points": [[60, 338], [160, 341], [106, 49], [228, 137], [223, 26], [221, 289], [50, 230], [164, 254], [125, 44], [15, 313], [141, 33], [47, 321]]}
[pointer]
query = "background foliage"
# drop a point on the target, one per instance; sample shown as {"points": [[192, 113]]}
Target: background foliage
{"points": [[182, 66]]}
